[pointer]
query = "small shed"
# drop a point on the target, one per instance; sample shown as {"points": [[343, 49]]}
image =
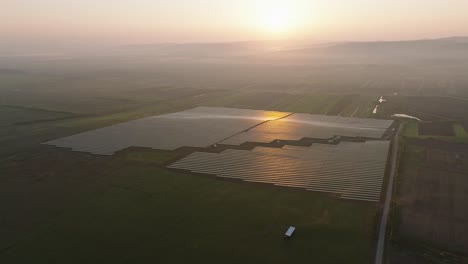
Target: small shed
{"points": [[289, 232]]}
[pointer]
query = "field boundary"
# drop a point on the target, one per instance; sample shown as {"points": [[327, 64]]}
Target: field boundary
{"points": [[388, 199]]}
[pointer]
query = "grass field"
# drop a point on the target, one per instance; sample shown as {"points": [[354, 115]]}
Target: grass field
{"points": [[85, 208], [460, 132], [411, 130], [13, 115], [147, 155]]}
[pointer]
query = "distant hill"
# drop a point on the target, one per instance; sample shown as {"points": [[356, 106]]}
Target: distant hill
{"points": [[198, 49], [221, 49], [451, 48], [457, 46]]}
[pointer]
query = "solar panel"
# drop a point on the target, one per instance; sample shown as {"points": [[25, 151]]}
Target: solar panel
{"points": [[298, 126], [197, 127], [352, 170], [205, 126]]}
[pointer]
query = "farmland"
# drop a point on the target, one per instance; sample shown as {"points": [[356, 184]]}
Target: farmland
{"points": [[122, 208], [429, 212], [444, 129], [14, 115], [447, 131], [430, 205], [427, 108]]}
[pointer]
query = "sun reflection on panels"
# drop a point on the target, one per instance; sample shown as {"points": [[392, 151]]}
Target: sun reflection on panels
{"points": [[298, 126], [197, 127], [207, 126]]}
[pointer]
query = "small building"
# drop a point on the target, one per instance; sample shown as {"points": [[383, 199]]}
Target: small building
{"points": [[289, 232]]}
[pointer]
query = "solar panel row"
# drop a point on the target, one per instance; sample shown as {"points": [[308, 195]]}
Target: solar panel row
{"points": [[197, 127], [352, 170], [205, 126]]}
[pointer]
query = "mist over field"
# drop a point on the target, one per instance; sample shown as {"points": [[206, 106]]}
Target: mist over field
{"points": [[434, 67]]}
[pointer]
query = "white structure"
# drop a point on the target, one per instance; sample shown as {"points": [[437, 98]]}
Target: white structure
{"points": [[289, 232]]}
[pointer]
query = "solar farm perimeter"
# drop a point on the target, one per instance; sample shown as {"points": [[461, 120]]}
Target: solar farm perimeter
{"points": [[343, 156]]}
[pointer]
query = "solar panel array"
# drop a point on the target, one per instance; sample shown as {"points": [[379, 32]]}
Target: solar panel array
{"points": [[205, 126], [351, 170], [298, 126], [197, 127]]}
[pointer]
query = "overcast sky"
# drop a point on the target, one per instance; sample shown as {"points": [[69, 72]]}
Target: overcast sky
{"points": [[115, 22]]}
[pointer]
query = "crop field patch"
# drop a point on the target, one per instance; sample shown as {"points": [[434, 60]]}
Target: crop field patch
{"points": [[342, 104], [436, 129], [433, 194], [427, 108], [13, 115], [464, 124], [351, 170]]}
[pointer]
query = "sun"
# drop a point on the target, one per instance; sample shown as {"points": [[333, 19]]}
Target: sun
{"points": [[276, 19]]}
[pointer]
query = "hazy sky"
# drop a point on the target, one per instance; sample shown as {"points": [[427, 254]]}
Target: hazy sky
{"points": [[64, 22]]}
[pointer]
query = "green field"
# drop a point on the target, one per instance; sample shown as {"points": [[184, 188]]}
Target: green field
{"points": [[14, 115], [460, 132], [84, 208], [411, 130]]}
